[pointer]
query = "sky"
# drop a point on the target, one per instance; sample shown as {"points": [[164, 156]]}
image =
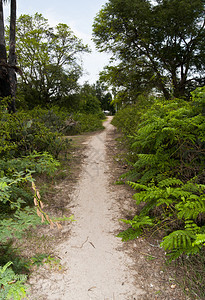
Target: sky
{"points": [[79, 15]]}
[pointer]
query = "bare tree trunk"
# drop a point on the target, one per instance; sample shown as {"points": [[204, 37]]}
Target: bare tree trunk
{"points": [[5, 89], [12, 56]]}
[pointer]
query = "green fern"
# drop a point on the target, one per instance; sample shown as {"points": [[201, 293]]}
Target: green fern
{"points": [[200, 240], [137, 186], [139, 221], [190, 208], [137, 224], [179, 242], [129, 234], [179, 239], [168, 172], [170, 182]]}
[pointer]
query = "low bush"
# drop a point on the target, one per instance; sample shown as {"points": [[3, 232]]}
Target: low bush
{"points": [[127, 119], [21, 209], [20, 134], [168, 174], [87, 122]]}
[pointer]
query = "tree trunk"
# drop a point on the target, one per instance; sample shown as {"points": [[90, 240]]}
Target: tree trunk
{"points": [[12, 56], [5, 89]]}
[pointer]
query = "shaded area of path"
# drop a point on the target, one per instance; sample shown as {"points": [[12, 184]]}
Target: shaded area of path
{"points": [[96, 268]]}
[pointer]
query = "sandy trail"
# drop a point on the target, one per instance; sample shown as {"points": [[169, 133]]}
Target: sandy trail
{"points": [[96, 266]]}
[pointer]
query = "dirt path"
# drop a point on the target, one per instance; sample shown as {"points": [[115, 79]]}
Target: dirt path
{"points": [[98, 266]]}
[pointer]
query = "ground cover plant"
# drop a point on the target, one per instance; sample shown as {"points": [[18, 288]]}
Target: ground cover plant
{"points": [[167, 174], [31, 143]]}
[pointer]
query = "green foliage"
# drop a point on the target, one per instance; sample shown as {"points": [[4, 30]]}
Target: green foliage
{"points": [[15, 198], [48, 58], [87, 122], [22, 134], [18, 214], [147, 39], [169, 138], [137, 223], [127, 119], [89, 103], [104, 97], [168, 173], [12, 285], [129, 234]]}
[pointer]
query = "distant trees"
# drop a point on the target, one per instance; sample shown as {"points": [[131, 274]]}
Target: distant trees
{"points": [[157, 44], [49, 60], [104, 96]]}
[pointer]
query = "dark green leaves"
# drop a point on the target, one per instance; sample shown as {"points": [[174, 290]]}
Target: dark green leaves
{"points": [[164, 42]]}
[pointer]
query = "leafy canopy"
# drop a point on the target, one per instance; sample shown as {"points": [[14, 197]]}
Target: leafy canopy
{"points": [[158, 44], [49, 59]]}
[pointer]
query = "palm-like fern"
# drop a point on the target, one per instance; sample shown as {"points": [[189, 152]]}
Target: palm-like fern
{"points": [[168, 172]]}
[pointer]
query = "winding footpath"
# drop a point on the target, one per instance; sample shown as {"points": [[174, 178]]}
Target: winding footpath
{"points": [[96, 266]]}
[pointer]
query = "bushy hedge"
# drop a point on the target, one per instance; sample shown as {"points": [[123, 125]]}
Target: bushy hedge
{"points": [[21, 134], [88, 122], [168, 172], [127, 119]]}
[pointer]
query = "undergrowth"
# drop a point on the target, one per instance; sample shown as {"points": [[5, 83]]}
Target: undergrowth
{"points": [[30, 144], [167, 172]]}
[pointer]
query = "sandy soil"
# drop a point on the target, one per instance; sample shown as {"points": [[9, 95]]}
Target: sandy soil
{"points": [[97, 265]]}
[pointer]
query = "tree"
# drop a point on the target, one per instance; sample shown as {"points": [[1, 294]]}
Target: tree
{"points": [[8, 69], [49, 60], [104, 96], [12, 55], [89, 103], [161, 43]]}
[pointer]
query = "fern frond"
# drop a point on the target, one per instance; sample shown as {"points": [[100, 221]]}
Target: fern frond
{"points": [[148, 175], [170, 182], [191, 208], [142, 197], [137, 186], [146, 160], [148, 206], [129, 234], [191, 226], [139, 221], [200, 240], [179, 239], [148, 195]]}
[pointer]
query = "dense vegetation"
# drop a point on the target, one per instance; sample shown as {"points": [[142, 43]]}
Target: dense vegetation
{"points": [[157, 79], [166, 157], [32, 144]]}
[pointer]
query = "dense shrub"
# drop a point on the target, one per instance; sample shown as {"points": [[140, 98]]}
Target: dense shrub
{"points": [[20, 134], [127, 119], [88, 122], [18, 213], [56, 119], [168, 173], [24, 138]]}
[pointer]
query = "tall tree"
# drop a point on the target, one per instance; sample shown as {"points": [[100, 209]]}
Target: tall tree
{"points": [[12, 55], [49, 59], [5, 89], [8, 67], [161, 42]]}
